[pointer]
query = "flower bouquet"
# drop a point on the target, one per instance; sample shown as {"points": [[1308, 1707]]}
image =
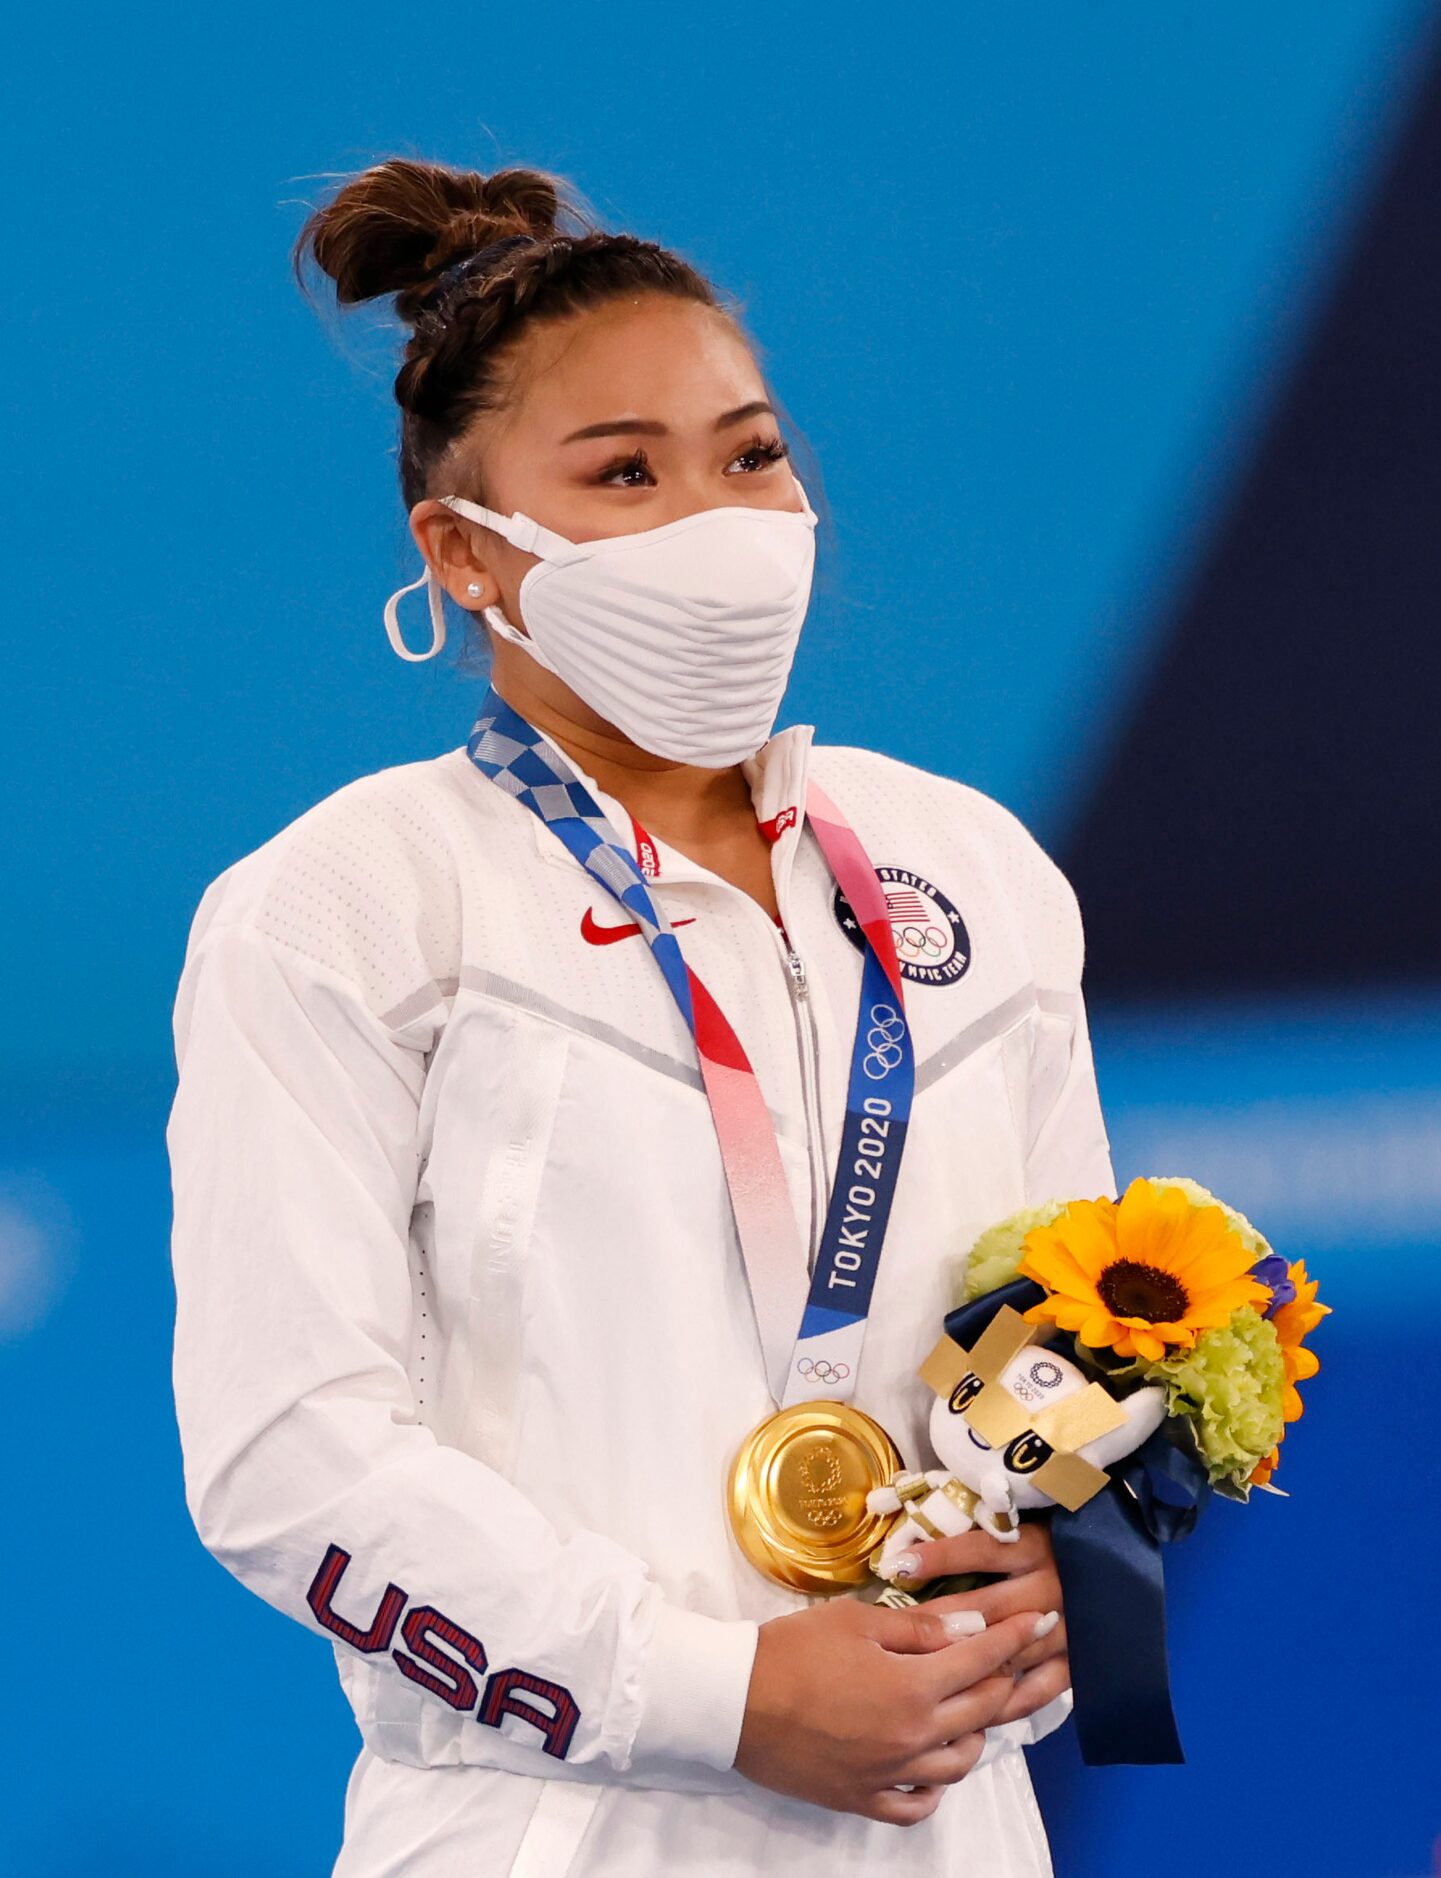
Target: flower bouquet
{"points": [[1115, 1363]]}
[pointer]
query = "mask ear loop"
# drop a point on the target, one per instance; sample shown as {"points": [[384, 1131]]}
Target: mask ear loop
{"points": [[521, 531], [437, 620]]}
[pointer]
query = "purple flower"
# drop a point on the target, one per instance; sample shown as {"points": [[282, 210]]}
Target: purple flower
{"points": [[1273, 1271]]}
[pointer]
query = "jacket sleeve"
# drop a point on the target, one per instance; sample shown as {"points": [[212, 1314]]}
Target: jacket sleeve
{"points": [[309, 1474]]}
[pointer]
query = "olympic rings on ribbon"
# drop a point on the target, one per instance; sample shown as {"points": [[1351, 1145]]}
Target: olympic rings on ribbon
{"points": [[822, 1370], [883, 1041]]}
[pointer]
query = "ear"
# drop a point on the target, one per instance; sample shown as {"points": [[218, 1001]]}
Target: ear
{"points": [[1145, 1410], [455, 549]]}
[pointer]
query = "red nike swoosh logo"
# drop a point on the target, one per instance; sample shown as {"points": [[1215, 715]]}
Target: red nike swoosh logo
{"points": [[597, 935]]}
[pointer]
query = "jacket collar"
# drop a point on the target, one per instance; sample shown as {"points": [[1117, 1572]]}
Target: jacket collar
{"points": [[777, 776]]}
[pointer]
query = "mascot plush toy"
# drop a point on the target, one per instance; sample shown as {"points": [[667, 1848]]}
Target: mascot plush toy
{"points": [[1016, 1426]]}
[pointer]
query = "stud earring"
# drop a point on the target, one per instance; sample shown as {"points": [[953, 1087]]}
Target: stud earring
{"points": [[473, 589]]}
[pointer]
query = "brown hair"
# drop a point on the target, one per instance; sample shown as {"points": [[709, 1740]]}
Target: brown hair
{"points": [[417, 230]]}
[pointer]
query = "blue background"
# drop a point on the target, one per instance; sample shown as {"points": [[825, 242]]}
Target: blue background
{"points": [[1029, 288]]}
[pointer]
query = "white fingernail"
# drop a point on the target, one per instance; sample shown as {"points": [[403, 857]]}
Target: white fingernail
{"points": [[907, 1564], [963, 1623], [1045, 1625]]}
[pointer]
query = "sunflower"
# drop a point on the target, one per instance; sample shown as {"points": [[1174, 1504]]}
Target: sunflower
{"points": [[1293, 1322], [1136, 1276]]}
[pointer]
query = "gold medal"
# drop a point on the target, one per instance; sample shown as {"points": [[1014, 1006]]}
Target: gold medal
{"points": [[797, 1494]]}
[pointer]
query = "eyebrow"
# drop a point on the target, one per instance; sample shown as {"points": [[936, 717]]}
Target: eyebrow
{"points": [[649, 427]]}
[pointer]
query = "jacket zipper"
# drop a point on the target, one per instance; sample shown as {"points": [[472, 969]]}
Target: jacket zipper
{"points": [[810, 1101], [808, 1049], [807, 1044]]}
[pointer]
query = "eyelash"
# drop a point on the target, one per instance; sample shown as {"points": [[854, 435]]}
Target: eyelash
{"points": [[773, 449]]}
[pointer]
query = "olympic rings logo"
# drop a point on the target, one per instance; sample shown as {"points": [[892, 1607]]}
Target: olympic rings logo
{"points": [[822, 1370], [883, 1041], [927, 942]]}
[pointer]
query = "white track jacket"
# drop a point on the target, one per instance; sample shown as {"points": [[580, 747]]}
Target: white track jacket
{"points": [[464, 1345]]}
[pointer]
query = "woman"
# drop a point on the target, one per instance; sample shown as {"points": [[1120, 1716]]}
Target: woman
{"points": [[513, 1083]]}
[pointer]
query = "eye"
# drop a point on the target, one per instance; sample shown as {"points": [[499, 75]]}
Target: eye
{"points": [[636, 460], [964, 1393], [763, 451], [1027, 1453]]}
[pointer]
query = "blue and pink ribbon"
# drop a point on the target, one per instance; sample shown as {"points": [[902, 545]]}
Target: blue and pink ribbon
{"points": [[822, 1359]]}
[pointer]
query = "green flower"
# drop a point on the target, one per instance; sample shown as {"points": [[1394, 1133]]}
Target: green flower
{"points": [[993, 1258], [1230, 1386]]}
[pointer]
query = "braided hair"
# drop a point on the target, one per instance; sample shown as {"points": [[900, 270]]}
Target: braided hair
{"points": [[472, 261]]}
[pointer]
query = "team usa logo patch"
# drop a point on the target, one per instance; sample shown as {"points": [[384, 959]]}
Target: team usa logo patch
{"points": [[932, 943]]}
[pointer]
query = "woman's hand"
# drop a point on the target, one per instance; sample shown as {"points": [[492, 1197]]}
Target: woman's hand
{"points": [[851, 1703], [1031, 1583]]}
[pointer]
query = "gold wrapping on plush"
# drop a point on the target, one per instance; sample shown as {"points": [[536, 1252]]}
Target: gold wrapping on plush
{"points": [[998, 1417], [927, 1525], [944, 1367], [1080, 1418], [959, 1494], [1005, 1336], [1069, 1480]]}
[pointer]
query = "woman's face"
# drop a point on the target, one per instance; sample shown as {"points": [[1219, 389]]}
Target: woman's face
{"points": [[621, 418]]}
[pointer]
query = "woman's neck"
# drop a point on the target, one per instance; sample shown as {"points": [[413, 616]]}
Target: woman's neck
{"points": [[679, 802], [706, 814]]}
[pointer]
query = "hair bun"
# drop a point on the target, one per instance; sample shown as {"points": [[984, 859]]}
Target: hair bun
{"points": [[397, 226]]}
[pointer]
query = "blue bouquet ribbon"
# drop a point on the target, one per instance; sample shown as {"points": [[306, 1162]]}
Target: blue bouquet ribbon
{"points": [[1108, 1555]]}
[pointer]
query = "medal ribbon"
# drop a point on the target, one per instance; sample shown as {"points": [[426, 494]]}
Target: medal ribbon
{"points": [[825, 1355]]}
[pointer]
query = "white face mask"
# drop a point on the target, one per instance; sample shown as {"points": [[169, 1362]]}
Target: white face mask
{"points": [[681, 636]]}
